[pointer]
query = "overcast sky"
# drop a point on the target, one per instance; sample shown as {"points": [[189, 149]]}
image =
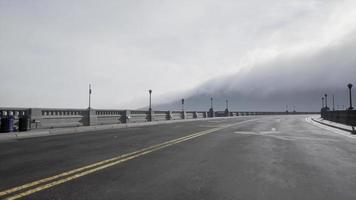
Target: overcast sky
{"points": [[51, 50]]}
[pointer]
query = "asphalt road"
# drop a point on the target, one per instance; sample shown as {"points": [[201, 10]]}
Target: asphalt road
{"points": [[269, 157]]}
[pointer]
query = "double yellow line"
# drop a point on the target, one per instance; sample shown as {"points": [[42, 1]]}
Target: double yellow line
{"points": [[42, 184]]}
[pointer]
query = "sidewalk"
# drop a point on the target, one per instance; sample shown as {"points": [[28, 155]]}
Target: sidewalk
{"points": [[343, 127], [72, 130]]}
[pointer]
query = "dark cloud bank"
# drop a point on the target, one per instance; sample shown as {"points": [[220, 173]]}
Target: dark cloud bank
{"points": [[294, 80]]}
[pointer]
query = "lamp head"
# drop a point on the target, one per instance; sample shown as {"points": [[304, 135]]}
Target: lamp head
{"points": [[349, 85]]}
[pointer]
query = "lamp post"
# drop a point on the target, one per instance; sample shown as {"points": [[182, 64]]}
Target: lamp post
{"points": [[333, 102], [211, 103], [227, 108], [322, 102], [150, 106], [326, 101], [350, 94], [182, 105], [89, 96], [211, 110]]}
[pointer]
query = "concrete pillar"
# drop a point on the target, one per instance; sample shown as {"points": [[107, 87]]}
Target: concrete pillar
{"points": [[195, 115], [226, 112], [184, 115], [169, 115], [92, 118], [125, 118], [35, 115], [211, 113], [150, 116]]}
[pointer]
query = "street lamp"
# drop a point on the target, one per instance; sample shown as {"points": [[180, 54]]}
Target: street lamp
{"points": [[322, 102], [211, 103], [150, 107], [89, 96], [326, 101], [182, 105], [211, 110], [350, 86], [333, 102]]}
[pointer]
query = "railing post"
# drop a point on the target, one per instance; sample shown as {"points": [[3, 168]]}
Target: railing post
{"points": [[92, 117], [169, 115], [150, 115], [125, 118], [184, 115], [35, 115], [195, 115]]}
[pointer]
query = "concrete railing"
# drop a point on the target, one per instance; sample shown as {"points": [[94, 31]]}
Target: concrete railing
{"points": [[43, 118], [347, 117]]}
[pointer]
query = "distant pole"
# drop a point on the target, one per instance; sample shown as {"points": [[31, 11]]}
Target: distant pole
{"points": [[182, 105], [286, 108], [150, 105], [89, 96], [326, 101], [322, 102], [333, 102], [227, 104], [350, 94], [211, 102]]}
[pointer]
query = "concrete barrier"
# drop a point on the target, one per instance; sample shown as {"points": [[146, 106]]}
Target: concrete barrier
{"points": [[44, 118], [347, 117]]}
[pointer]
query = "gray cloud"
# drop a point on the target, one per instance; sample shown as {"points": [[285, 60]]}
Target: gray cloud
{"points": [[50, 51], [299, 80]]}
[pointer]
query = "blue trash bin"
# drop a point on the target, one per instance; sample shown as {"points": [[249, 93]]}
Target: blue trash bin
{"points": [[7, 124], [10, 125]]}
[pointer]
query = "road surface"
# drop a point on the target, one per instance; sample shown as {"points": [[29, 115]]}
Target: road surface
{"points": [[266, 157]]}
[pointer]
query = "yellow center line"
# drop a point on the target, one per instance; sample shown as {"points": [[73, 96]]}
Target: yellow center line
{"points": [[80, 172], [9, 191]]}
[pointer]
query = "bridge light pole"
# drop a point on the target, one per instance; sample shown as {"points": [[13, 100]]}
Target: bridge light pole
{"points": [[333, 102], [350, 94], [182, 105], [150, 106], [211, 110], [227, 108], [326, 101], [89, 96], [211, 103], [150, 103]]}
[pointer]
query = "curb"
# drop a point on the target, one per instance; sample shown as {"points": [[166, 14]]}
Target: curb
{"points": [[351, 130]]}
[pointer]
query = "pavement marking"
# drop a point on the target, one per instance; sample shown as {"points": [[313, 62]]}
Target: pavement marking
{"points": [[89, 169], [282, 137]]}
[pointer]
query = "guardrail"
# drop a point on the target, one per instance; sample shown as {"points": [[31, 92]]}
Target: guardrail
{"points": [[347, 117], [44, 118]]}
